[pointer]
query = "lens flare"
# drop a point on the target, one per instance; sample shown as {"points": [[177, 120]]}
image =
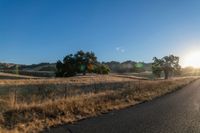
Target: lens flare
{"points": [[192, 60]]}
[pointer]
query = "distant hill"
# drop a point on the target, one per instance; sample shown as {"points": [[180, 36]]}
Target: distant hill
{"points": [[48, 69], [40, 67], [33, 67], [38, 70], [128, 66]]}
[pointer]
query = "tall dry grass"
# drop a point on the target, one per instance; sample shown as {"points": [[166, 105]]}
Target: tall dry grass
{"points": [[109, 95]]}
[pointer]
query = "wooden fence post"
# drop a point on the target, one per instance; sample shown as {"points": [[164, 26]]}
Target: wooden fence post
{"points": [[15, 97]]}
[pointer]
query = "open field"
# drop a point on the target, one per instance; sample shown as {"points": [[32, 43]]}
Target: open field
{"points": [[14, 76], [34, 104]]}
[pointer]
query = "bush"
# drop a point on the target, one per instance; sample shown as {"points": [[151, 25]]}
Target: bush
{"points": [[102, 69]]}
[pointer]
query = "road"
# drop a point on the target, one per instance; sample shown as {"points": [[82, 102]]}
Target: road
{"points": [[178, 112]]}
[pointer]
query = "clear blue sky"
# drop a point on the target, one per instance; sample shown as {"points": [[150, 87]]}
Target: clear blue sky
{"points": [[33, 31]]}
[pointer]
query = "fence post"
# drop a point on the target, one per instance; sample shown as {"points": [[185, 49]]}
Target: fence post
{"points": [[65, 91], [15, 97]]}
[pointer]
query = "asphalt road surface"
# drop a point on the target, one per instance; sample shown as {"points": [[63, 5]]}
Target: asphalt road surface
{"points": [[178, 112]]}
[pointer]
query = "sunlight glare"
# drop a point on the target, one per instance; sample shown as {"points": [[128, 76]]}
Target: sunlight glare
{"points": [[192, 60]]}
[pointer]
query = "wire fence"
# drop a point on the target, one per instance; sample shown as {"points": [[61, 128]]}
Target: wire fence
{"points": [[17, 94]]}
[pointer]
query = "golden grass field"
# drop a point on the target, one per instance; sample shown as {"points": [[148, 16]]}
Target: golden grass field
{"points": [[32, 105]]}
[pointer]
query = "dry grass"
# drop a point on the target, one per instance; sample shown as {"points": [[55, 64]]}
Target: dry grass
{"points": [[35, 116], [40, 90], [72, 80], [14, 76]]}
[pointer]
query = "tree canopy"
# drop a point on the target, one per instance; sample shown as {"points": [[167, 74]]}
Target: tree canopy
{"points": [[167, 64], [80, 62]]}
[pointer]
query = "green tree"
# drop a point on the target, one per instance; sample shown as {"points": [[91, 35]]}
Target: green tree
{"points": [[168, 64], [69, 66], [59, 69], [85, 61], [81, 62], [156, 67], [102, 69]]}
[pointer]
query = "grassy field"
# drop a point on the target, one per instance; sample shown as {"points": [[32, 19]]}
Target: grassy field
{"points": [[5, 76], [35, 104]]}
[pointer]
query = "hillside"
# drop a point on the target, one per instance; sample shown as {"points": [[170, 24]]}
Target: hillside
{"points": [[38, 70], [48, 69], [128, 66], [7, 76]]}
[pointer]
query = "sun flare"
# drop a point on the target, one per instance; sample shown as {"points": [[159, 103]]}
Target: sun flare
{"points": [[192, 60]]}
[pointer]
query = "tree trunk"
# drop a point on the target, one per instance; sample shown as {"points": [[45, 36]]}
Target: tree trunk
{"points": [[166, 74], [84, 73]]}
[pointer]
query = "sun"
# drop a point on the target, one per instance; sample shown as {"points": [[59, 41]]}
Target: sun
{"points": [[192, 59]]}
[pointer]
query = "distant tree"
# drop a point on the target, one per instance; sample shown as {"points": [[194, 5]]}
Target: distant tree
{"points": [[156, 67], [102, 69], [168, 64], [85, 61], [69, 66], [81, 62], [59, 67]]}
